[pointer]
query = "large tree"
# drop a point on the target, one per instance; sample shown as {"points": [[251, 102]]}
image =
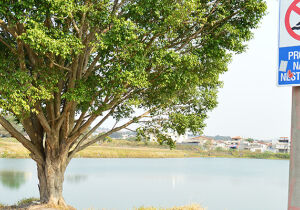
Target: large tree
{"points": [[66, 65]]}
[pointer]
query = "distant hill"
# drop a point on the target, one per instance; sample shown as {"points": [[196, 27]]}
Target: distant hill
{"points": [[218, 137]]}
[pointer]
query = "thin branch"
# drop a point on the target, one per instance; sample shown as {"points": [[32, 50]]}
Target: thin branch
{"points": [[90, 132], [8, 46], [75, 25], [92, 66], [115, 125], [62, 67], [130, 129], [79, 148]]}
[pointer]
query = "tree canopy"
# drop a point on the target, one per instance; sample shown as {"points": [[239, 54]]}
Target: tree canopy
{"points": [[66, 63]]}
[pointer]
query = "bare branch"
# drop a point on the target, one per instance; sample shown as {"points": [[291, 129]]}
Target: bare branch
{"points": [[79, 148], [130, 129], [90, 132]]}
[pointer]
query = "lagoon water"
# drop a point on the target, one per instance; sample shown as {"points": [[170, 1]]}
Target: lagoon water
{"points": [[215, 183]]}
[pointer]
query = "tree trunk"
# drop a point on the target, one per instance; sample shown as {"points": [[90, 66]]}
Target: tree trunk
{"points": [[51, 178]]}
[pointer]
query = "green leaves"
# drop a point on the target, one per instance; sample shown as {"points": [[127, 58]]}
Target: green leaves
{"points": [[50, 41], [160, 55], [18, 95]]}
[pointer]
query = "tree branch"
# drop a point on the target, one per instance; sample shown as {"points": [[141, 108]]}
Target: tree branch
{"points": [[25, 142], [91, 131], [8, 46], [43, 120], [79, 148]]}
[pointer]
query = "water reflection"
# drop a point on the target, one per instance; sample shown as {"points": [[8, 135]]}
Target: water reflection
{"points": [[75, 178], [176, 180], [14, 179]]}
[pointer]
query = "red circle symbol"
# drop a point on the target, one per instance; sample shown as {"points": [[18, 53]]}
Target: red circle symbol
{"points": [[295, 8]]}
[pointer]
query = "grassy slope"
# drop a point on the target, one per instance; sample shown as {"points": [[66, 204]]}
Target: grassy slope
{"points": [[10, 148]]}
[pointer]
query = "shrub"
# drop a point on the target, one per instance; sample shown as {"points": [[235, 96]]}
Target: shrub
{"points": [[282, 155], [26, 201]]}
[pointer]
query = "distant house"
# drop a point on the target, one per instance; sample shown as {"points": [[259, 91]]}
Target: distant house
{"points": [[258, 147], [220, 144], [236, 138], [283, 145], [245, 145], [199, 141], [234, 143]]}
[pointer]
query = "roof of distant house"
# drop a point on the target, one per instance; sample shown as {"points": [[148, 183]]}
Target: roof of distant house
{"points": [[236, 137], [200, 138]]}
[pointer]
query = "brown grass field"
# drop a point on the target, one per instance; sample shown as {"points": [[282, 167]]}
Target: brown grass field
{"points": [[10, 148]]}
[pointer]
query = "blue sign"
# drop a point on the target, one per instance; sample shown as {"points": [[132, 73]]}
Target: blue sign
{"points": [[289, 66], [288, 71]]}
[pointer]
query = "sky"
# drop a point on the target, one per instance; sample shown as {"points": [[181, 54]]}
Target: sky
{"points": [[251, 105], [250, 102]]}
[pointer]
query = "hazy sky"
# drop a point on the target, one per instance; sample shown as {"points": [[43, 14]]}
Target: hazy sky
{"points": [[250, 103]]}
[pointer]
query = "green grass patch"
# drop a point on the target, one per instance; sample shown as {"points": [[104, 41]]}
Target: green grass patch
{"points": [[27, 201]]}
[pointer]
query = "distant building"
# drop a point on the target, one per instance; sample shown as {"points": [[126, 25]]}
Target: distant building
{"points": [[236, 138], [234, 143], [258, 147], [283, 145], [255, 146], [199, 141]]}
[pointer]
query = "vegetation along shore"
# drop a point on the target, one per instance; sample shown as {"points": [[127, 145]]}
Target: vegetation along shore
{"points": [[10, 148], [33, 204]]}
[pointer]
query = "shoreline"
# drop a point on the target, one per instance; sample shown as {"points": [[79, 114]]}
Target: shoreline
{"points": [[10, 148]]}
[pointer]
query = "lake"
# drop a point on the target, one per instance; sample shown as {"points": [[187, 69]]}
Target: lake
{"points": [[215, 183]]}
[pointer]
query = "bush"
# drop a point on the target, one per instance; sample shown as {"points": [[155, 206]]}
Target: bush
{"points": [[26, 201], [219, 149], [282, 155]]}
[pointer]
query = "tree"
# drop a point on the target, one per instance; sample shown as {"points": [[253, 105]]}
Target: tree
{"points": [[66, 63], [250, 140]]}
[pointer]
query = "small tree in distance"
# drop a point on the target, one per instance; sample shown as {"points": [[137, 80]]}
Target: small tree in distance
{"points": [[250, 140], [66, 63]]}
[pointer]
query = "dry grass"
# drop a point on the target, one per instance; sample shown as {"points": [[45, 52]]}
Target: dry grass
{"points": [[10, 148], [130, 152], [189, 207]]}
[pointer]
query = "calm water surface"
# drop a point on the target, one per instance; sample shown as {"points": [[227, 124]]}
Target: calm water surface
{"points": [[216, 183]]}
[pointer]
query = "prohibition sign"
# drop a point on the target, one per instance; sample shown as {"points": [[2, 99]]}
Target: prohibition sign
{"points": [[295, 8]]}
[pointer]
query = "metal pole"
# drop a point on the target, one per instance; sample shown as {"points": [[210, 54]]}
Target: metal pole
{"points": [[294, 179]]}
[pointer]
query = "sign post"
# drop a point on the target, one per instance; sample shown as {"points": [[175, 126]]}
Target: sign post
{"points": [[288, 74], [294, 178]]}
